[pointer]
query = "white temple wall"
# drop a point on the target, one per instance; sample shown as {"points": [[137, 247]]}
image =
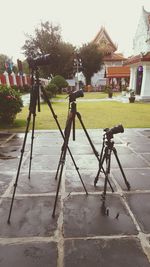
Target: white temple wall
{"points": [[133, 77], [140, 43], [145, 88]]}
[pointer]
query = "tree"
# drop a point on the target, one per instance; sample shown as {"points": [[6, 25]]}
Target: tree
{"points": [[47, 40], [60, 82], [91, 59], [66, 53], [3, 59], [25, 67]]}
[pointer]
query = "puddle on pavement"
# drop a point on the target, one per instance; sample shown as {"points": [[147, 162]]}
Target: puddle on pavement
{"points": [[4, 135], [5, 157]]}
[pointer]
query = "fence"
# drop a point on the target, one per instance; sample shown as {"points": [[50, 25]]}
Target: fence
{"points": [[13, 79]]}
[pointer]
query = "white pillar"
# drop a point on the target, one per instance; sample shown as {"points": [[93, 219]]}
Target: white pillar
{"points": [[21, 82], [14, 78], [145, 88], [25, 78], [7, 78], [133, 77]]}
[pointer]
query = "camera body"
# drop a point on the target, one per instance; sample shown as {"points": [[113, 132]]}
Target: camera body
{"points": [[111, 131], [75, 94], [39, 61]]}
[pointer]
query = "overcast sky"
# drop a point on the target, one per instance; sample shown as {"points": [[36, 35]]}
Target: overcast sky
{"points": [[80, 21]]}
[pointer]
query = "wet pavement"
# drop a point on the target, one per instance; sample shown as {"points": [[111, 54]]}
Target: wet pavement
{"points": [[84, 232]]}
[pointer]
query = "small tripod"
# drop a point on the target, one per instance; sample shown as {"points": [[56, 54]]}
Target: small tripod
{"points": [[107, 149], [70, 122], [34, 102]]}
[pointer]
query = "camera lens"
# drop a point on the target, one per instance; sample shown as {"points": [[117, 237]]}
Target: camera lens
{"points": [[39, 61], [116, 129], [76, 94]]}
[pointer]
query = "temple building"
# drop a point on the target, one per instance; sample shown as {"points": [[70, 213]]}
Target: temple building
{"points": [[112, 70], [140, 61]]}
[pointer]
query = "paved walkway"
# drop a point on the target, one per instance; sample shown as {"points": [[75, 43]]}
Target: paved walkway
{"points": [[81, 234]]}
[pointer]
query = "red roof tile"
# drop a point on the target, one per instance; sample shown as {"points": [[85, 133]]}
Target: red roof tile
{"points": [[118, 72]]}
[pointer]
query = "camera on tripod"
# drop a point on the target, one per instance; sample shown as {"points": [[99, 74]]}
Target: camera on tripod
{"points": [[39, 61], [111, 131], [75, 94]]}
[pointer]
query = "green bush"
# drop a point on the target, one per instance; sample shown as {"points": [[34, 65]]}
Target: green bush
{"points": [[16, 88], [60, 82], [21, 89], [25, 89], [52, 88], [10, 104]]}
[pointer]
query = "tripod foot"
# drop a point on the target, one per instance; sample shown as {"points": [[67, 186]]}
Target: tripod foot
{"points": [[117, 215], [53, 215], [8, 221], [95, 181], [128, 186], [104, 210]]}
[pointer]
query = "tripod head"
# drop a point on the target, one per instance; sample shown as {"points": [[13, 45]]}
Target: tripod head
{"points": [[109, 132], [75, 94], [39, 61]]}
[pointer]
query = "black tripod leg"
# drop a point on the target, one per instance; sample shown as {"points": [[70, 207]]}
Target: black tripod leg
{"points": [[19, 166], [99, 170], [108, 156], [77, 169], [100, 167], [55, 117], [62, 160], [94, 150], [73, 130], [121, 169], [32, 138], [59, 163], [87, 135]]}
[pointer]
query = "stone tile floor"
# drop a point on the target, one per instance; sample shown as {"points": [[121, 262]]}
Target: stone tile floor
{"points": [[80, 234]]}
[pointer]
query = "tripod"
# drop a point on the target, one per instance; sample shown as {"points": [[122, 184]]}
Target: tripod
{"points": [[69, 123], [106, 152], [34, 103]]}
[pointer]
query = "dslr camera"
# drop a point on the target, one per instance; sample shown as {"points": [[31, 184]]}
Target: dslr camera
{"points": [[111, 131]]}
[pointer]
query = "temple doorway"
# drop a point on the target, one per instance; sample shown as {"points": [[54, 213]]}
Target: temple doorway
{"points": [[139, 80]]}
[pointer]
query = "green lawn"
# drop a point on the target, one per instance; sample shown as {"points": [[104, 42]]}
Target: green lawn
{"points": [[94, 115], [90, 95]]}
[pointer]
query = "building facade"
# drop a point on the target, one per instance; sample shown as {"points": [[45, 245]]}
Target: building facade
{"points": [[110, 58], [140, 61]]}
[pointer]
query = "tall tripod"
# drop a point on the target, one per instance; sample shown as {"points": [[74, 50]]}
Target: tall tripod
{"points": [[70, 122], [106, 152], [34, 102]]}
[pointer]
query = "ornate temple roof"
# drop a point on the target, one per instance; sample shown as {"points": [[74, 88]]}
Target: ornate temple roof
{"points": [[107, 47], [137, 59], [104, 42], [146, 15], [141, 40], [114, 57]]}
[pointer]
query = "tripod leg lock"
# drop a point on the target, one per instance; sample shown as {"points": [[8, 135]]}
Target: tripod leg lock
{"points": [[62, 161]]}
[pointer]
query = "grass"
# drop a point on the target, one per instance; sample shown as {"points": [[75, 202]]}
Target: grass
{"points": [[94, 114], [91, 95]]}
